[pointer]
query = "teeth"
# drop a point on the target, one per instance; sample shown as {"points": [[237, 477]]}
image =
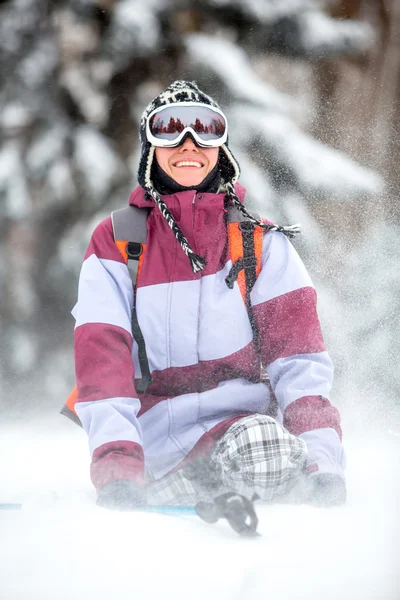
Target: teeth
{"points": [[188, 163]]}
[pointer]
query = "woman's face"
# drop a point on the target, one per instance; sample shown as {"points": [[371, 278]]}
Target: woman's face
{"points": [[187, 164]]}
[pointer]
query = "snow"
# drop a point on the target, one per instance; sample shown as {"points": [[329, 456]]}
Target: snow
{"points": [[26, 15], [44, 150], [93, 105], [36, 68], [308, 30], [22, 347], [320, 33], [268, 10], [14, 116], [61, 183], [316, 167], [254, 180], [134, 31], [314, 236], [232, 65], [61, 545], [369, 318], [98, 163], [13, 185]]}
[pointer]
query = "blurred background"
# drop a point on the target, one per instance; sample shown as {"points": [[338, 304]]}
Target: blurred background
{"points": [[311, 89]]}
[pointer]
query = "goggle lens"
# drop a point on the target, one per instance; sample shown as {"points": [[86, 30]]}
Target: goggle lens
{"points": [[169, 123]]}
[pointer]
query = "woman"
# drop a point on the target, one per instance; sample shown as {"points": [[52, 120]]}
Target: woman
{"points": [[205, 345]]}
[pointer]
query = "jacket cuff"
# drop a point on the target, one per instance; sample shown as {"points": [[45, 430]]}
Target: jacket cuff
{"points": [[309, 413], [325, 453], [116, 461]]}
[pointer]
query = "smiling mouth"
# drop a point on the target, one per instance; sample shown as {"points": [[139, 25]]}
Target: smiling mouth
{"points": [[188, 163]]}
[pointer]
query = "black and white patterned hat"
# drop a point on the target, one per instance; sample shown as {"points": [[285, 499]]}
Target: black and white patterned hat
{"points": [[181, 91]]}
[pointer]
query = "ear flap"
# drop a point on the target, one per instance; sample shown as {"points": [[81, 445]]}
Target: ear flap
{"points": [[228, 165]]}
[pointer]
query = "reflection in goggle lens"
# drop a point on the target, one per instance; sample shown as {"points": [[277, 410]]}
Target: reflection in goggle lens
{"points": [[169, 123]]}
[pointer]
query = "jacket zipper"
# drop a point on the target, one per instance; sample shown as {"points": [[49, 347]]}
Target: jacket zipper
{"points": [[193, 211]]}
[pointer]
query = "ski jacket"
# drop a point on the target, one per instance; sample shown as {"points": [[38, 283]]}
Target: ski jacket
{"points": [[204, 364]]}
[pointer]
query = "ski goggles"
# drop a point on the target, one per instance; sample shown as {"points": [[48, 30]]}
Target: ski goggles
{"points": [[168, 125]]}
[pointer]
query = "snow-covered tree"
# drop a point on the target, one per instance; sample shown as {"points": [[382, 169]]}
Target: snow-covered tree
{"points": [[76, 75]]}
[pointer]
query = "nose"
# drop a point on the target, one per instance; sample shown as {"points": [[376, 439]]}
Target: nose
{"points": [[188, 145]]}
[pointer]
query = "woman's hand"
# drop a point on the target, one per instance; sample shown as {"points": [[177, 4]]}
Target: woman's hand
{"points": [[121, 495], [326, 489]]}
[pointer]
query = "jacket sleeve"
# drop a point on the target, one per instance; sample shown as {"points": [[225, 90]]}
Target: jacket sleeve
{"points": [[107, 401], [294, 353]]}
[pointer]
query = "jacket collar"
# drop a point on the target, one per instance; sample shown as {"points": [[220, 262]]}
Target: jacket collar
{"points": [[137, 197]]}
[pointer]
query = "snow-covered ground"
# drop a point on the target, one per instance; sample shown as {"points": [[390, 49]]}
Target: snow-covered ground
{"points": [[62, 546]]}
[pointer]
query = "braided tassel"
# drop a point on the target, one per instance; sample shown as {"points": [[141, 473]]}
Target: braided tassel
{"points": [[289, 230], [197, 263]]}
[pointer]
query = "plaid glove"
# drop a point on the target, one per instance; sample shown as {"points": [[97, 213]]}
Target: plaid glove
{"points": [[326, 489], [121, 495]]}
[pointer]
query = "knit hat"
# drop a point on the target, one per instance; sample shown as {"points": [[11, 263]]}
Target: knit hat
{"points": [[186, 91]]}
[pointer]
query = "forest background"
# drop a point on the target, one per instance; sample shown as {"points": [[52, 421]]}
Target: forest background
{"points": [[312, 94]]}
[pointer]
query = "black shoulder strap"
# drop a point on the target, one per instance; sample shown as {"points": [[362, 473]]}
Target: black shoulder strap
{"points": [[130, 225], [249, 266]]}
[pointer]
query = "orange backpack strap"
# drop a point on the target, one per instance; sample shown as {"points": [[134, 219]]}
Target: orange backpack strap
{"points": [[245, 246]]}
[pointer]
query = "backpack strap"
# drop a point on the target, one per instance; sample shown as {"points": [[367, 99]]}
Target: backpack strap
{"points": [[245, 246], [130, 223]]}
